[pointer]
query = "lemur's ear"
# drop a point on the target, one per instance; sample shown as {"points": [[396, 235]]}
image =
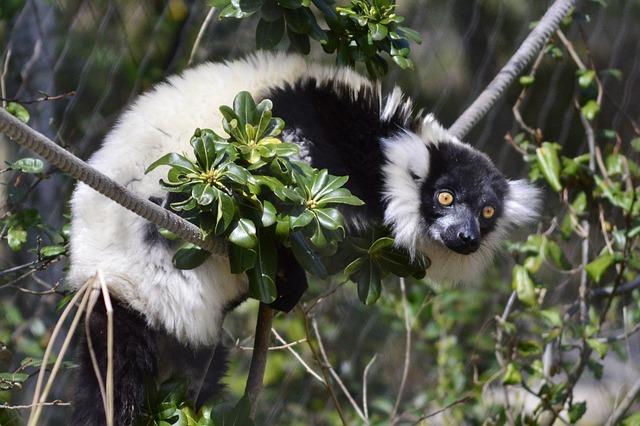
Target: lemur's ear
{"points": [[522, 203]]}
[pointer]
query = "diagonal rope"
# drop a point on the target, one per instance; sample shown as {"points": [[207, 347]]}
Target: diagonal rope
{"points": [[78, 169], [529, 48]]}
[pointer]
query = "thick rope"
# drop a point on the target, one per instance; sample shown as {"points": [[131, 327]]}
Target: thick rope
{"points": [[78, 169], [529, 48]]}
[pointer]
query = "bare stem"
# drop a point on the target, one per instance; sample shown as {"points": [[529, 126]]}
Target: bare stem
{"points": [[259, 358]]}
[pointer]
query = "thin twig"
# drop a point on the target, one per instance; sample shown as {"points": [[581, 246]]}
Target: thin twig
{"points": [[43, 98], [365, 405], [84, 291], [296, 355], [453, 404], [407, 350], [57, 402], [624, 405], [201, 32], [499, 348], [336, 377], [323, 368], [3, 76], [109, 309], [276, 347]]}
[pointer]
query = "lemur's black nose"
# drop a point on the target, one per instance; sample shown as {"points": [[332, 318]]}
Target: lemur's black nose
{"points": [[468, 237], [468, 242]]}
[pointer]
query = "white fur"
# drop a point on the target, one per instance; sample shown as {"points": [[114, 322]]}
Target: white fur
{"points": [[406, 154], [189, 304]]}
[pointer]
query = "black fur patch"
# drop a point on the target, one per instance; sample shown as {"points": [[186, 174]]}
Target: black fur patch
{"points": [[345, 129], [473, 179], [291, 281], [134, 360]]}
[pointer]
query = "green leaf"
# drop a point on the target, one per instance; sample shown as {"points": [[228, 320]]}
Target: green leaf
{"points": [[262, 284], [203, 193], [18, 111], [523, 285], [237, 174], [14, 377], [52, 251], [300, 42], [409, 34], [590, 110], [600, 347], [527, 80], [339, 196], [635, 144], [632, 420], [549, 162], [290, 4], [250, 6], [586, 78], [226, 212], [205, 151], [306, 256], [241, 259], [512, 375], [190, 256], [380, 244], [599, 266], [268, 214], [269, 33], [245, 108], [378, 31], [244, 234], [28, 165], [16, 237], [369, 282], [302, 219], [576, 411], [329, 218], [399, 264], [552, 317], [529, 347], [174, 160]]}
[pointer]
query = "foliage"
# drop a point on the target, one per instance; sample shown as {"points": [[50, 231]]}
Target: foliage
{"points": [[359, 32], [249, 190]]}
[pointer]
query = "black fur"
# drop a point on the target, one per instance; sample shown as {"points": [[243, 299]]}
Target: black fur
{"points": [[134, 359], [141, 356], [344, 130], [473, 179], [291, 281]]}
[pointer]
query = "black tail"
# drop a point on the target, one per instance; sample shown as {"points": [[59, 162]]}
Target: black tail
{"points": [[134, 360]]}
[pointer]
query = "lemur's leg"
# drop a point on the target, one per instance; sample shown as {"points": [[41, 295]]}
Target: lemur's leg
{"points": [[134, 360]]}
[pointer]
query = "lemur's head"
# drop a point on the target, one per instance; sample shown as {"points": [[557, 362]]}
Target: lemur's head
{"points": [[447, 200]]}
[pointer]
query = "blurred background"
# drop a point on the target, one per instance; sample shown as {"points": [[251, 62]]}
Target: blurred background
{"points": [[93, 57]]}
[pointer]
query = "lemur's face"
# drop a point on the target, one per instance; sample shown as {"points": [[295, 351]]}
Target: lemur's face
{"points": [[462, 198]]}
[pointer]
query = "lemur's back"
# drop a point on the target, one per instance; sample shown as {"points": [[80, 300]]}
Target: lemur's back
{"points": [[107, 237]]}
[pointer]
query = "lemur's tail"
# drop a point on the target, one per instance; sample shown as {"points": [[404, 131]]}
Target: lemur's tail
{"points": [[135, 358]]}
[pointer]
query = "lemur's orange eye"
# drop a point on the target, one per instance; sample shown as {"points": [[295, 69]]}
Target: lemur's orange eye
{"points": [[445, 198], [488, 212]]}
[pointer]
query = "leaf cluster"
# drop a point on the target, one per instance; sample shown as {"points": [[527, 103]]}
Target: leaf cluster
{"points": [[248, 189], [358, 32]]}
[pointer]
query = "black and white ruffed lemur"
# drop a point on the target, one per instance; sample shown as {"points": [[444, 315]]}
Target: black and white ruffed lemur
{"points": [[438, 196]]}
